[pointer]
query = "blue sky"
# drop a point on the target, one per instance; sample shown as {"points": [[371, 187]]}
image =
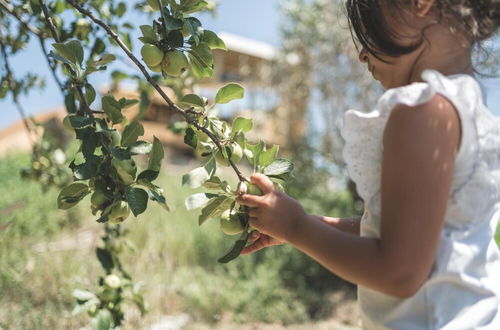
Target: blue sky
{"points": [[256, 19]]}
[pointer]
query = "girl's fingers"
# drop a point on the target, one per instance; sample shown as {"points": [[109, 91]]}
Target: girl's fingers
{"points": [[256, 246], [255, 235], [263, 182], [249, 200]]}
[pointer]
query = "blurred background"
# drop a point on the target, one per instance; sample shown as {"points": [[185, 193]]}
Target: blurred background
{"points": [[296, 60]]}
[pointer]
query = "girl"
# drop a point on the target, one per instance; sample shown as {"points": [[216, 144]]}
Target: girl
{"points": [[426, 162]]}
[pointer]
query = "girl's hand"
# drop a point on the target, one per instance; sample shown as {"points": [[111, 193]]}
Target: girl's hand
{"points": [[259, 241], [274, 214]]}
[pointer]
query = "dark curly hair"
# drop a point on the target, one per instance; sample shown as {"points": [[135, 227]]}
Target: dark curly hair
{"points": [[478, 19]]}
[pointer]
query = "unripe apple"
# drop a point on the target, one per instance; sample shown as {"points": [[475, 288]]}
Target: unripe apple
{"points": [[254, 190], [98, 199], [119, 212], [115, 138], [156, 68], [230, 223], [112, 281], [151, 54], [236, 154], [126, 170], [176, 63]]}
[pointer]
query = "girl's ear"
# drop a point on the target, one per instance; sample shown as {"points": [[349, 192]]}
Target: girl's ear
{"points": [[424, 6]]}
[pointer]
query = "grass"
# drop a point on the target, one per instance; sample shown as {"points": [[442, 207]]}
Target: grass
{"points": [[46, 253]]}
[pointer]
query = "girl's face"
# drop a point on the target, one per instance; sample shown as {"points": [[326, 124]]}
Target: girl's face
{"points": [[392, 71]]}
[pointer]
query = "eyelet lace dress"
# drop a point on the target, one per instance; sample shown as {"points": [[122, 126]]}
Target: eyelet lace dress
{"points": [[463, 289]]}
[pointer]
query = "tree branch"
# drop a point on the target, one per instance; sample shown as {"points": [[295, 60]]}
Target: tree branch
{"points": [[171, 104]]}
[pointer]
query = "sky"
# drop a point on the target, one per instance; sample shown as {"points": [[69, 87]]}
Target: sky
{"points": [[255, 19]]}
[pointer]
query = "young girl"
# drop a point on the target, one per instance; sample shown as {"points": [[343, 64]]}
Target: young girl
{"points": [[426, 162]]}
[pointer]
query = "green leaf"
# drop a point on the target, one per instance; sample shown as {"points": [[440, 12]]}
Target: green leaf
{"points": [[253, 151], [214, 208], [86, 170], [131, 133], [125, 103], [198, 176], [243, 124], [158, 197], [105, 59], [141, 148], [173, 23], [235, 251], [105, 259], [112, 108], [198, 200], [212, 40], [278, 167], [149, 34], [148, 175], [137, 199], [194, 26], [90, 94], [200, 70], [59, 58], [204, 54], [78, 122], [156, 156], [71, 51], [71, 195], [191, 100], [83, 295], [228, 93], [190, 138], [268, 156]]}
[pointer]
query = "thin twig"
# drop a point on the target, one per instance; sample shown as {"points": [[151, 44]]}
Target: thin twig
{"points": [[171, 105], [51, 26]]}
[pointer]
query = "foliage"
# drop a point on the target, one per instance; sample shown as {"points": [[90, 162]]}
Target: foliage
{"points": [[105, 167]]}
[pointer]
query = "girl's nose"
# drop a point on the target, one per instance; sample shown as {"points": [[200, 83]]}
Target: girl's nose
{"points": [[363, 56]]}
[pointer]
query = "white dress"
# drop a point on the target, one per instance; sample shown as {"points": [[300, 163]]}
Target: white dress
{"points": [[463, 289]]}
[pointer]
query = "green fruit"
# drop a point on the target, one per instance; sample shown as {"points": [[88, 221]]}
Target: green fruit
{"points": [[230, 223], [151, 54], [125, 169], [112, 281], [67, 125], [156, 68], [254, 190], [115, 138], [176, 63], [92, 310], [119, 212], [98, 199], [234, 150]]}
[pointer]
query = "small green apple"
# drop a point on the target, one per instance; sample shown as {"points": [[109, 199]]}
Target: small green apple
{"points": [[115, 138], [98, 199], [156, 68], [126, 170], [113, 281], [254, 190], [119, 212], [230, 223], [234, 150], [151, 54], [176, 63]]}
